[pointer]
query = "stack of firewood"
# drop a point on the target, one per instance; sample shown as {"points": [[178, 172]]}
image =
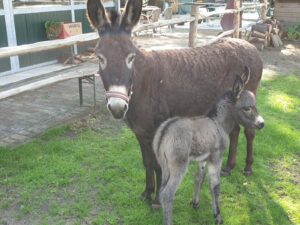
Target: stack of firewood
{"points": [[87, 55], [266, 34]]}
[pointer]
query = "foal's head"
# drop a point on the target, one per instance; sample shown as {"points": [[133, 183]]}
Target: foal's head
{"points": [[244, 110], [115, 51]]}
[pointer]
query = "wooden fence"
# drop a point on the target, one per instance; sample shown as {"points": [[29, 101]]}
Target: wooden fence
{"points": [[236, 19]]}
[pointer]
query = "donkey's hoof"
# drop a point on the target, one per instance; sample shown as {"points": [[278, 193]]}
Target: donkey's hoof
{"points": [[225, 172], [145, 196], [248, 173]]}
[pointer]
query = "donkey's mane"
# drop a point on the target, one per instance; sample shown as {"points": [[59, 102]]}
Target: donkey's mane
{"points": [[213, 111]]}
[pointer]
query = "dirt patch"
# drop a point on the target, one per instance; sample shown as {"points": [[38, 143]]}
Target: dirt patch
{"points": [[282, 61]]}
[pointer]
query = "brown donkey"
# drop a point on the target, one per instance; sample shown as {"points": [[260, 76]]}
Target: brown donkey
{"points": [[146, 88]]}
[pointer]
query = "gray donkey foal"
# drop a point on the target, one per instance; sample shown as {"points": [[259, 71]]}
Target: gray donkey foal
{"points": [[203, 139]]}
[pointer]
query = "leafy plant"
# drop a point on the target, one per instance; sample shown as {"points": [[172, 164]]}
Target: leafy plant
{"points": [[293, 32], [53, 29]]}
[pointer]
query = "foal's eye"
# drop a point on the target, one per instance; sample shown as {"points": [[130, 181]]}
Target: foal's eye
{"points": [[246, 109]]}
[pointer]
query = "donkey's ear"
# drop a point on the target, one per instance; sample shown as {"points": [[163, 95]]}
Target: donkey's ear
{"points": [[131, 14], [238, 87], [97, 15], [246, 75]]}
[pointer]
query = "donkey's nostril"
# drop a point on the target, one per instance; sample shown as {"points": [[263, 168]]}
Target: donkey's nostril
{"points": [[261, 125], [125, 107]]}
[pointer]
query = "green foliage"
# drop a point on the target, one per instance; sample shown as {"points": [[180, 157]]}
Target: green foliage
{"points": [[53, 29], [293, 32], [96, 177]]}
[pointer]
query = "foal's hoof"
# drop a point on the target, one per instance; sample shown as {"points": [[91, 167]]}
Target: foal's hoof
{"points": [[248, 173], [145, 196], [156, 205], [218, 219], [195, 204], [225, 172]]}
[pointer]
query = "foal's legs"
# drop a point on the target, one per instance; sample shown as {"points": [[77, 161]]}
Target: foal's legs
{"points": [[167, 192], [199, 178], [250, 135], [234, 136], [214, 169], [158, 173]]}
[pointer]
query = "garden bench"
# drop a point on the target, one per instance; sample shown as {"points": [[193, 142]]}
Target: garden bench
{"points": [[11, 90]]}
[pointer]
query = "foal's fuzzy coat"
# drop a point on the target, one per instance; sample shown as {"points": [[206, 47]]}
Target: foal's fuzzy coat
{"points": [[202, 139]]}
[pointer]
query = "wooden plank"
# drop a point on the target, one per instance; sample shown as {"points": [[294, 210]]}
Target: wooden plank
{"points": [[287, 19], [287, 10], [286, 5], [163, 23], [46, 45], [70, 74], [287, 14]]}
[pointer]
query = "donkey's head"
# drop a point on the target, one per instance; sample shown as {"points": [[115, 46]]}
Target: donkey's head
{"points": [[115, 51], [245, 111]]}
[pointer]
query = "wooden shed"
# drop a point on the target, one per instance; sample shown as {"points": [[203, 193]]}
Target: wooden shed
{"points": [[287, 11]]}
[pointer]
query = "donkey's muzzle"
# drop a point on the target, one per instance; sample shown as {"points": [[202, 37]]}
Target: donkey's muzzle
{"points": [[117, 103], [118, 110], [260, 123]]}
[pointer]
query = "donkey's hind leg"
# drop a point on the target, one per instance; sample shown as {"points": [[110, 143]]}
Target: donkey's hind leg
{"points": [[214, 169], [250, 135], [234, 136], [199, 178], [167, 192]]}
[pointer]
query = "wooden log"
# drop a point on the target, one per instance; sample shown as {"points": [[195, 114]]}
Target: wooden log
{"points": [[258, 34], [256, 39], [236, 19], [193, 26], [262, 28]]}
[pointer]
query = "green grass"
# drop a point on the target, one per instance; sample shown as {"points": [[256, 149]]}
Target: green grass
{"points": [[95, 176]]}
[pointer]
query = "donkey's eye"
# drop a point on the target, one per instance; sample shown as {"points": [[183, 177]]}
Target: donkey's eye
{"points": [[130, 59], [246, 109], [102, 61]]}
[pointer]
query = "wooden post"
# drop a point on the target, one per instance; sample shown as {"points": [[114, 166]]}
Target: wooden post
{"points": [[193, 26], [264, 10], [236, 19]]}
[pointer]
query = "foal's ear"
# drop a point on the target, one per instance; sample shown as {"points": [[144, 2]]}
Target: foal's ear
{"points": [[238, 87], [131, 15], [97, 15], [246, 75]]}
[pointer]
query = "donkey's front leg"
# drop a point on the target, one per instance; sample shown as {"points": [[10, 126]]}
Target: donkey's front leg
{"points": [[214, 169], [250, 135], [234, 136], [147, 155], [199, 179]]}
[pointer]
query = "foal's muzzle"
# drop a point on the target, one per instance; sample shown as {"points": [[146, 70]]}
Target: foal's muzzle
{"points": [[117, 103]]}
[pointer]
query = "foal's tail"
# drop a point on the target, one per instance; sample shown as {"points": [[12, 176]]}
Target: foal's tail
{"points": [[160, 145]]}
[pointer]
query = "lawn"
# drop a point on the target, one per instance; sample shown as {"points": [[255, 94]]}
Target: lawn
{"points": [[91, 172]]}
